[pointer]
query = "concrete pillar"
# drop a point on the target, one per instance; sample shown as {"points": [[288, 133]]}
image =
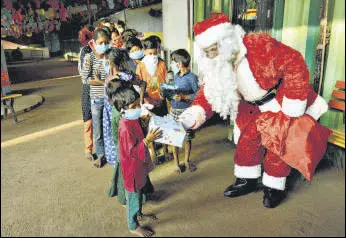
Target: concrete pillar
{"points": [[175, 24]]}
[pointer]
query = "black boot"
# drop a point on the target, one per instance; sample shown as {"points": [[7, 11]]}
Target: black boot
{"points": [[272, 197], [241, 187]]}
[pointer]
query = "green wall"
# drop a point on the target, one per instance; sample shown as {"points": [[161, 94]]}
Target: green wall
{"points": [[335, 60], [295, 24], [203, 8], [278, 19]]}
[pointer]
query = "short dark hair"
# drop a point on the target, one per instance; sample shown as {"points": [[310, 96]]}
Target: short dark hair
{"points": [[150, 43], [121, 93], [181, 56], [120, 58], [121, 23], [127, 34], [156, 38], [104, 31], [133, 41]]}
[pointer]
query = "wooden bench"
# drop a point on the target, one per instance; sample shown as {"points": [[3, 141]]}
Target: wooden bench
{"points": [[338, 103], [8, 101]]}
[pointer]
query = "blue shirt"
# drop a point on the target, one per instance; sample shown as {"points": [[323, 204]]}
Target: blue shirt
{"points": [[188, 85]]}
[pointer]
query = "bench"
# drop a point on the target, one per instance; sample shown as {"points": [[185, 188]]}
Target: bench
{"points": [[8, 101], [338, 103]]}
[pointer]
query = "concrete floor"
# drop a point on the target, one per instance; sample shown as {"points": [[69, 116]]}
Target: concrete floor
{"points": [[49, 189]]}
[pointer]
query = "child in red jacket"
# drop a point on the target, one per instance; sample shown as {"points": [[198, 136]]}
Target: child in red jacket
{"points": [[134, 155]]}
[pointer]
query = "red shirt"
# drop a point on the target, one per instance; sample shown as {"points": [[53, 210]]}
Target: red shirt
{"points": [[134, 155]]}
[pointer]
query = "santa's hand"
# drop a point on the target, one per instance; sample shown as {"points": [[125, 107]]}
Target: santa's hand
{"points": [[186, 121], [193, 117]]}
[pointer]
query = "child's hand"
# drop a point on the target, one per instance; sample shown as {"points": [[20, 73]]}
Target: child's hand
{"points": [[154, 134], [177, 97]]}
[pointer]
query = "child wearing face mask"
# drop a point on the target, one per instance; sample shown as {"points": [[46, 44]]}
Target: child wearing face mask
{"points": [[186, 84], [135, 49], [134, 156], [153, 71], [117, 69], [94, 73]]}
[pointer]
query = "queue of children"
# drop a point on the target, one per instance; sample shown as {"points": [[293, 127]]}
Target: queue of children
{"points": [[121, 77]]}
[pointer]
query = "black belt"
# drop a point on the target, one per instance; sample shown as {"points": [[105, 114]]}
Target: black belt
{"points": [[269, 95]]}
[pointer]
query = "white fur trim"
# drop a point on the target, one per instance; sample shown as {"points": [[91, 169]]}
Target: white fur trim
{"points": [[193, 117], [212, 35], [318, 108], [247, 85], [240, 33], [236, 133], [293, 107], [250, 172], [278, 183], [272, 106]]}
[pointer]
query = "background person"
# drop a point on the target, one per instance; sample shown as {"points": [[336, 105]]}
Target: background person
{"points": [[93, 70]]}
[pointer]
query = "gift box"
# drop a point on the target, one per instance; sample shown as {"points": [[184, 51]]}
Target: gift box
{"points": [[173, 132]]}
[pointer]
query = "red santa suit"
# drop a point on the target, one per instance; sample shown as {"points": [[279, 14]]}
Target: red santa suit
{"points": [[283, 129]]}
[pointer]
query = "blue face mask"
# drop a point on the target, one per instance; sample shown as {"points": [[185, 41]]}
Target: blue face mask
{"points": [[136, 55], [106, 66], [101, 49], [132, 114]]}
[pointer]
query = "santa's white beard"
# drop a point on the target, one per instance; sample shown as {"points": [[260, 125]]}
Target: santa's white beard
{"points": [[220, 86]]}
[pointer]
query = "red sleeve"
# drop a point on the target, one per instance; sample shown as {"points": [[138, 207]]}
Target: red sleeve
{"points": [[293, 69], [201, 101]]}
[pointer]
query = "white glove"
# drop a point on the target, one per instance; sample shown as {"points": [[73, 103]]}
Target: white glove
{"points": [[185, 120], [193, 117], [145, 109]]}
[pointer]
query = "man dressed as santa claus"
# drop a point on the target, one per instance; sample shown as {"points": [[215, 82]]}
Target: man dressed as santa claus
{"points": [[263, 86]]}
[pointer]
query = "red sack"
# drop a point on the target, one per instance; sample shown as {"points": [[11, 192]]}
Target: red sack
{"points": [[306, 144]]}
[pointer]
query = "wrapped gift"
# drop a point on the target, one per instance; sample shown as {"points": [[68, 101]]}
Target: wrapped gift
{"points": [[173, 132]]}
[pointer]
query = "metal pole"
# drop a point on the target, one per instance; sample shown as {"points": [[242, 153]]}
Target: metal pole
{"points": [[125, 19], [324, 24]]}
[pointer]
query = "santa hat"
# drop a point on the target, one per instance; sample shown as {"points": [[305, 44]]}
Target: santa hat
{"points": [[209, 31]]}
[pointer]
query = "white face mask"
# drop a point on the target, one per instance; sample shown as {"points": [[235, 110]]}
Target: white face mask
{"points": [[151, 62], [174, 67]]}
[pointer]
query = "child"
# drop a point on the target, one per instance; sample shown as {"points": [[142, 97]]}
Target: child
{"points": [[135, 49], [187, 85], [153, 71], [134, 156], [117, 60], [115, 39], [94, 73]]}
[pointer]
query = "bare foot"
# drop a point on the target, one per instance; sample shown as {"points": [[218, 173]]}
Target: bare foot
{"points": [[89, 156], [100, 162], [177, 170], [144, 217], [140, 231], [191, 166]]}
